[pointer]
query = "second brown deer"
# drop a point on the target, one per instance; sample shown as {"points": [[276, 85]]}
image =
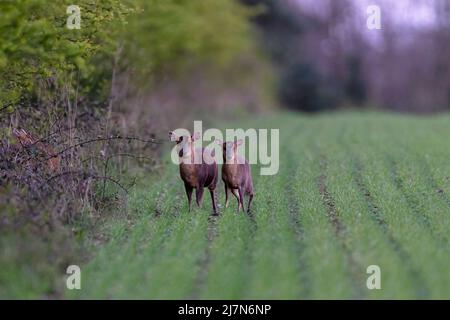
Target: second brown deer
{"points": [[236, 174]]}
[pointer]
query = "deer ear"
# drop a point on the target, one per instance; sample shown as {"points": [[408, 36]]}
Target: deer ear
{"points": [[239, 142], [195, 136], [172, 136]]}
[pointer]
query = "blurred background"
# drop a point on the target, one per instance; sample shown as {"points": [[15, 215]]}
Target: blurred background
{"points": [[247, 55], [85, 111], [326, 56]]}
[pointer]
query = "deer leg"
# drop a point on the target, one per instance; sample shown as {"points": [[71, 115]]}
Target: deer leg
{"points": [[250, 202], [241, 198], [188, 189], [227, 192], [213, 198], [236, 194], [199, 195]]}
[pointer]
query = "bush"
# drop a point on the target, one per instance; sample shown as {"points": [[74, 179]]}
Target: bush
{"points": [[38, 50], [302, 88]]}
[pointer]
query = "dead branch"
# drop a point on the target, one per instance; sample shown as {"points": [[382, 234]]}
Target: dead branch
{"points": [[89, 141], [82, 143], [88, 175], [117, 155]]}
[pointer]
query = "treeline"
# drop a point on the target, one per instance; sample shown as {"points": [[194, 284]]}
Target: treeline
{"points": [[328, 58], [295, 39], [39, 52]]}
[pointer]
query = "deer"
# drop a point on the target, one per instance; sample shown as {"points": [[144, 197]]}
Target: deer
{"points": [[236, 174], [28, 140], [196, 175]]}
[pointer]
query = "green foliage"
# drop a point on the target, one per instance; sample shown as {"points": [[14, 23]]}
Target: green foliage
{"points": [[38, 50], [36, 44], [171, 35]]}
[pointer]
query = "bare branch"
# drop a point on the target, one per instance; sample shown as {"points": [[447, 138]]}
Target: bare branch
{"points": [[89, 175], [82, 143]]}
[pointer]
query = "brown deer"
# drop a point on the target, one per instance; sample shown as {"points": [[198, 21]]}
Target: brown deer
{"points": [[28, 140], [236, 174], [196, 176]]}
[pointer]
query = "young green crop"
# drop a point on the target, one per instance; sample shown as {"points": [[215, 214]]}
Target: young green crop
{"points": [[353, 190]]}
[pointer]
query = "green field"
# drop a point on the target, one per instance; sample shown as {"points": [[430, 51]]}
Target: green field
{"points": [[353, 190]]}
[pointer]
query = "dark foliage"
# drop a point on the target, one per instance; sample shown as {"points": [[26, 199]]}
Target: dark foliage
{"points": [[355, 87], [303, 89]]}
